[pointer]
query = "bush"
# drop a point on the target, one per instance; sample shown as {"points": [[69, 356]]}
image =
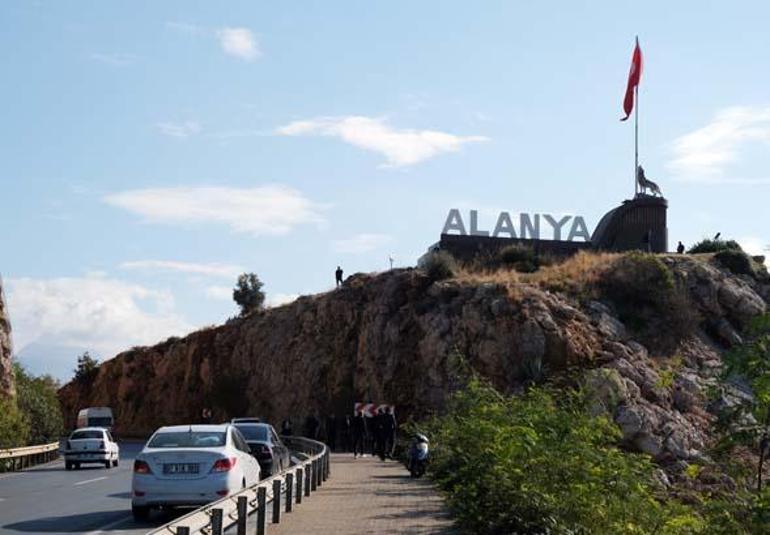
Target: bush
{"points": [[37, 400], [438, 265], [87, 369], [714, 246], [519, 257], [248, 293], [648, 300], [736, 261], [14, 428], [531, 464]]}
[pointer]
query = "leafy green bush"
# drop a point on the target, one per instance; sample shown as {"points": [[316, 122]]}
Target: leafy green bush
{"points": [[37, 400], [714, 246], [736, 261], [438, 265], [519, 257], [248, 293], [87, 369], [531, 464], [648, 300], [14, 428]]}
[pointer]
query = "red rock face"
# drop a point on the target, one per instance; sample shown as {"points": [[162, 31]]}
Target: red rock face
{"points": [[6, 369]]}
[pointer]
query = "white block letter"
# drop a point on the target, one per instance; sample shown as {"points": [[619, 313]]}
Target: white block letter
{"points": [[454, 221], [504, 224], [557, 226], [578, 230], [528, 229], [475, 225]]}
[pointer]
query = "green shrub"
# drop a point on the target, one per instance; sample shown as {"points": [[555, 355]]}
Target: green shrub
{"points": [[37, 400], [736, 261], [519, 257], [532, 464], [438, 265], [14, 428], [714, 246], [648, 300], [87, 369]]}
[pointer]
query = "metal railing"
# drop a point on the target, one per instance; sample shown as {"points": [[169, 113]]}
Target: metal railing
{"points": [[281, 491], [14, 459]]}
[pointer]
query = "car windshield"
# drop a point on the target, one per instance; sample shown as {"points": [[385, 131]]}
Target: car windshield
{"points": [[253, 432], [188, 439], [104, 421], [79, 435]]}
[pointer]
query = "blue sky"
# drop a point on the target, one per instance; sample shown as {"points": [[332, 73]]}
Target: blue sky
{"points": [[151, 151]]}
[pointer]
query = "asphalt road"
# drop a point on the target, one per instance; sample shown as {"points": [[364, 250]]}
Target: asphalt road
{"points": [[49, 499]]}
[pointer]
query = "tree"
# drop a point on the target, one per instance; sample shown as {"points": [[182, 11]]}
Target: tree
{"points": [[248, 293], [37, 400], [87, 368]]}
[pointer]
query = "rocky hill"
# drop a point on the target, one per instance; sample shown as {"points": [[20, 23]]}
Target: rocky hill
{"points": [[644, 333], [6, 370]]}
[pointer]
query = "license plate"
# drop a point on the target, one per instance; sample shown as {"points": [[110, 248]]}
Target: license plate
{"points": [[181, 468]]}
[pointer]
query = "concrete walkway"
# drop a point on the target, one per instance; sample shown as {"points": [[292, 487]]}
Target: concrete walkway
{"points": [[367, 495]]}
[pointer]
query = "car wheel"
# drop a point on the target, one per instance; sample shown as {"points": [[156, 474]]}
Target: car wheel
{"points": [[108, 464], [76, 466], [67, 465], [115, 462], [140, 512]]}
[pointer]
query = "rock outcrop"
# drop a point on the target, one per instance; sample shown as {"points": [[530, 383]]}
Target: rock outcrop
{"points": [[396, 338], [6, 368]]}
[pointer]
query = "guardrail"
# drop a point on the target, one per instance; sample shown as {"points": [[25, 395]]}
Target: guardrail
{"points": [[14, 459], [290, 486]]}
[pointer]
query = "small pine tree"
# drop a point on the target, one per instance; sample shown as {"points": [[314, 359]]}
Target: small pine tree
{"points": [[87, 368], [248, 293]]}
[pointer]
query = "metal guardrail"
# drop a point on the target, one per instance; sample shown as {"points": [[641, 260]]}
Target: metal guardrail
{"points": [[20, 458], [290, 486]]}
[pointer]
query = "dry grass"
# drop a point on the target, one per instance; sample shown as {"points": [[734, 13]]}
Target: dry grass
{"points": [[508, 278]]}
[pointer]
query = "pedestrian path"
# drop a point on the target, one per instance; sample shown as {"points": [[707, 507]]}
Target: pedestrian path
{"points": [[366, 495]]}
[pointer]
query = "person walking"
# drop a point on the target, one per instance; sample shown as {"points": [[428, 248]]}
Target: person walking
{"points": [[359, 431], [338, 275], [389, 427], [379, 434], [286, 430]]}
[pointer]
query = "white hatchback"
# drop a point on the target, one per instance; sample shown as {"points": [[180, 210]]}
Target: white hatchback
{"points": [[90, 445], [191, 465]]}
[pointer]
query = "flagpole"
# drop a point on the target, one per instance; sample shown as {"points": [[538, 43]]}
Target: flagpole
{"points": [[636, 139]]}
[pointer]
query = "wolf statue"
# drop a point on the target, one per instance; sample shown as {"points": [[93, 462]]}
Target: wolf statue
{"points": [[646, 184]]}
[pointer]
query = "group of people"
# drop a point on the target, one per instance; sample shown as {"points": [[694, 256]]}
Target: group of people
{"points": [[378, 432], [358, 433]]}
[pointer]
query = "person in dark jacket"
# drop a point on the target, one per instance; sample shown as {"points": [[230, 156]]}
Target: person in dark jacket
{"points": [[311, 427], [331, 432], [286, 428], [379, 434], [389, 427], [358, 430], [680, 248], [346, 441]]}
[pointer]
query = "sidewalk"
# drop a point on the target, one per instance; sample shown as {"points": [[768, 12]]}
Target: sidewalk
{"points": [[367, 495]]}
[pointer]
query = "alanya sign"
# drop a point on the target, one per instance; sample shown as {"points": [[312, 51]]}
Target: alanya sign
{"points": [[566, 227]]}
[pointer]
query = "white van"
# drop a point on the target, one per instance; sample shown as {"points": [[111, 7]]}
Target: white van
{"points": [[96, 417]]}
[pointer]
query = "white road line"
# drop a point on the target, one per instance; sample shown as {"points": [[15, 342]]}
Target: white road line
{"points": [[89, 481], [108, 526]]}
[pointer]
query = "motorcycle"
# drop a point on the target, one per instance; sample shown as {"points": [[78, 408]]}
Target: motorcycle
{"points": [[418, 455]]}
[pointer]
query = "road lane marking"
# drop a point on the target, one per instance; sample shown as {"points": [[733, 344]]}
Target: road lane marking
{"points": [[105, 527], [89, 481]]}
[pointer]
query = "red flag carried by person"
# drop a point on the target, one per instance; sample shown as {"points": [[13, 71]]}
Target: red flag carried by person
{"points": [[634, 75]]}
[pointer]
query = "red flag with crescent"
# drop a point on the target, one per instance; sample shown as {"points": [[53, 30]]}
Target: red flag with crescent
{"points": [[634, 76]]}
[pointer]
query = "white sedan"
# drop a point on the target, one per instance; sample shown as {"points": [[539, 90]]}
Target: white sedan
{"points": [[191, 465], [90, 445]]}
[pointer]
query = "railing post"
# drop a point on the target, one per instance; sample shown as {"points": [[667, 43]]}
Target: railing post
{"points": [[242, 514], [182, 530], [316, 473], [308, 469], [216, 522], [261, 504], [300, 475], [289, 491], [277, 501]]}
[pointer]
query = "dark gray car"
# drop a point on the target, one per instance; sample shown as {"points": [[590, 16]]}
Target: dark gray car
{"points": [[265, 445]]}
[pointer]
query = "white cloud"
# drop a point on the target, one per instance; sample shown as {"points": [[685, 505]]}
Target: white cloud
{"points": [[361, 243], [220, 293], [183, 129], [276, 300], [210, 269], [239, 42], [704, 154], [400, 147], [263, 210], [116, 60], [756, 247], [101, 314]]}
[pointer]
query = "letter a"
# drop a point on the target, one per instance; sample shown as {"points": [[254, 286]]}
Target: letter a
{"points": [[579, 230], [454, 221], [504, 224]]}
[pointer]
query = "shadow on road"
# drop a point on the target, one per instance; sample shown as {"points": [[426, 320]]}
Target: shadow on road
{"points": [[68, 523]]}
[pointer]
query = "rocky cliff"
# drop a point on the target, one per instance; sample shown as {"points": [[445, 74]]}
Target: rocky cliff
{"points": [[396, 337], [6, 369]]}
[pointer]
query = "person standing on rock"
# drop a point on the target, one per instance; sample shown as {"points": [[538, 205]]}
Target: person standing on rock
{"points": [[338, 275], [358, 430], [680, 248]]}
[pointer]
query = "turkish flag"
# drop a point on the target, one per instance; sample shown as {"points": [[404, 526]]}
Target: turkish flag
{"points": [[634, 75]]}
